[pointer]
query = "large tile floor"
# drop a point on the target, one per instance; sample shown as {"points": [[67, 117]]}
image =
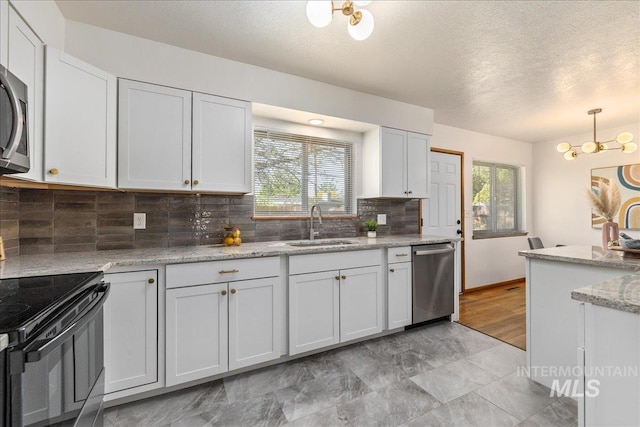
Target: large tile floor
{"points": [[443, 374]]}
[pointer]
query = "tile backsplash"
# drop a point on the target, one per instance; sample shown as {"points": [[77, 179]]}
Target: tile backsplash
{"points": [[50, 221]]}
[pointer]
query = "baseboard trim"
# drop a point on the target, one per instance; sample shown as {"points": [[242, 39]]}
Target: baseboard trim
{"points": [[493, 285]]}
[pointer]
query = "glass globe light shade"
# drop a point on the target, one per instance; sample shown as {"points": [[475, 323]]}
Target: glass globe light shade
{"points": [[362, 3], [570, 155], [319, 12], [362, 29], [624, 138], [563, 147], [589, 147], [629, 147]]}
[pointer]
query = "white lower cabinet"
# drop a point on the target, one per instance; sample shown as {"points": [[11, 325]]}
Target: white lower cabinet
{"points": [[610, 359], [196, 332], [217, 327], [399, 287], [131, 330], [337, 305]]}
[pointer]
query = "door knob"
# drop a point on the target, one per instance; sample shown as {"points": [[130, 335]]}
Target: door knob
{"points": [[233, 291], [187, 182], [151, 281], [223, 293], [337, 277], [459, 232], [344, 277], [391, 270], [458, 222], [53, 171], [196, 182]]}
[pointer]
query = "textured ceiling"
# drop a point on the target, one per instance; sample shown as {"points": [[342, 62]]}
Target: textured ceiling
{"points": [[527, 70]]}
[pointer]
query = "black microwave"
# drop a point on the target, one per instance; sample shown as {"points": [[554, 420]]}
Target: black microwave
{"points": [[14, 124]]}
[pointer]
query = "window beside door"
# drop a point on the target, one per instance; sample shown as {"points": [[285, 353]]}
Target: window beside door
{"points": [[496, 200]]}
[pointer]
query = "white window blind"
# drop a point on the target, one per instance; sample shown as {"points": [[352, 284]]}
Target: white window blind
{"points": [[294, 172]]}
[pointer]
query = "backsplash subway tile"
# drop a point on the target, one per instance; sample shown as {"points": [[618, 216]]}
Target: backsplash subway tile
{"points": [[52, 221]]}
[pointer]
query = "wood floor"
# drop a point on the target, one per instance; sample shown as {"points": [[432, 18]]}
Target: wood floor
{"points": [[498, 312]]}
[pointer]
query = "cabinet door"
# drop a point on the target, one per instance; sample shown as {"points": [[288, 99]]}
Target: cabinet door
{"points": [[154, 137], [393, 158], [196, 332], [399, 295], [25, 59], [314, 317], [131, 330], [4, 32], [221, 144], [80, 128], [360, 303], [417, 165], [254, 335]]}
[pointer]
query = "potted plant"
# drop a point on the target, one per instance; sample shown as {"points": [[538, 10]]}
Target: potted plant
{"points": [[372, 226]]}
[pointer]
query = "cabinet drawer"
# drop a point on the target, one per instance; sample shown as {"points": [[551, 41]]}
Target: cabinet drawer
{"points": [[201, 273], [300, 264], [401, 254]]}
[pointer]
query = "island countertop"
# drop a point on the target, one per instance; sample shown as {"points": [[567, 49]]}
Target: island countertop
{"points": [[589, 255], [621, 293], [61, 263]]}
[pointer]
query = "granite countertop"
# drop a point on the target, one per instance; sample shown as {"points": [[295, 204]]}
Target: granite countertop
{"points": [[622, 293], [589, 255], [36, 265]]}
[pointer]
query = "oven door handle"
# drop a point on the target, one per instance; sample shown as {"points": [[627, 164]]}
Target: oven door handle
{"points": [[16, 131], [46, 346]]}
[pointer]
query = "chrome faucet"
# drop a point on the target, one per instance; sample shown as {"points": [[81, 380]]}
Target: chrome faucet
{"points": [[312, 232]]}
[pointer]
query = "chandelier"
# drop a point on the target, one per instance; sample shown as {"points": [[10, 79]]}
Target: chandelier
{"points": [[591, 147], [360, 25]]}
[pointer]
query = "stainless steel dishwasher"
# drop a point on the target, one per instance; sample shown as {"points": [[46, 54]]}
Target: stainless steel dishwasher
{"points": [[433, 286]]}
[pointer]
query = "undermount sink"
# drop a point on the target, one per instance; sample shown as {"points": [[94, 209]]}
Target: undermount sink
{"points": [[305, 243]]}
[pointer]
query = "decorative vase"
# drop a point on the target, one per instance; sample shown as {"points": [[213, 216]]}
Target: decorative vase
{"points": [[610, 232], [371, 234]]}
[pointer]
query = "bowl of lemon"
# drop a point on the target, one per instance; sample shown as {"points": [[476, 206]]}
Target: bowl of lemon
{"points": [[232, 236]]}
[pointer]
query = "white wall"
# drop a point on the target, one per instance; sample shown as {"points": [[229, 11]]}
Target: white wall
{"points": [[489, 261], [141, 59], [561, 208]]}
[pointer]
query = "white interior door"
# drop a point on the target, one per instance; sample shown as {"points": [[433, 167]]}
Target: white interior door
{"points": [[441, 213]]}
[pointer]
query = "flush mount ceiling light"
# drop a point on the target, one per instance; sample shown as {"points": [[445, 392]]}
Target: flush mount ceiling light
{"points": [[315, 122], [360, 25], [594, 146]]}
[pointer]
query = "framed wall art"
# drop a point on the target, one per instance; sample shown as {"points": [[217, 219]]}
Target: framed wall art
{"points": [[627, 177]]}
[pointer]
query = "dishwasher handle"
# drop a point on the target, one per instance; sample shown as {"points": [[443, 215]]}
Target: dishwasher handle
{"points": [[433, 252]]}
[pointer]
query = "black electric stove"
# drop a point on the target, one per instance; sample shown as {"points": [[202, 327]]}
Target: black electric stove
{"points": [[56, 336], [28, 303]]}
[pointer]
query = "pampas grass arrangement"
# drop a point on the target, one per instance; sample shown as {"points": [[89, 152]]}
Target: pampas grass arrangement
{"points": [[607, 202]]}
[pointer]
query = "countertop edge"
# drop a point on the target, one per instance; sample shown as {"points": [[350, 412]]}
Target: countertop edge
{"points": [[618, 262], [622, 294], [37, 265]]}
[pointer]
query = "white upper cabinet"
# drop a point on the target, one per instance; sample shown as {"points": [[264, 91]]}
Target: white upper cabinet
{"points": [[80, 127], [23, 54], [172, 139], [154, 137], [396, 164], [221, 144]]}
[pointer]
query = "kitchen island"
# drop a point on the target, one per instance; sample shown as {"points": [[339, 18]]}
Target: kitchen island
{"points": [[553, 321], [610, 352]]}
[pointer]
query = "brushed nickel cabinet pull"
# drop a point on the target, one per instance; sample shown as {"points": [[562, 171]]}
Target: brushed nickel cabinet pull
{"points": [[402, 254], [228, 271]]}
